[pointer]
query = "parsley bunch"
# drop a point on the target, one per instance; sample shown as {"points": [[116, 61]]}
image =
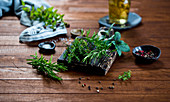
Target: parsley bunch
{"points": [[125, 76], [48, 16], [47, 68]]}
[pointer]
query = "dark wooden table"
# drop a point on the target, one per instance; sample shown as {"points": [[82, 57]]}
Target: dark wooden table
{"points": [[149, 83]]}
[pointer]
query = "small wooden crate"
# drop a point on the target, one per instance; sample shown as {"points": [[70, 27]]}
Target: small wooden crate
{"points": [[100, 67]]}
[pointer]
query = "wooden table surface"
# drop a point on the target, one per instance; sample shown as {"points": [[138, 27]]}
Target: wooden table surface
{"points": [[149, 83]]}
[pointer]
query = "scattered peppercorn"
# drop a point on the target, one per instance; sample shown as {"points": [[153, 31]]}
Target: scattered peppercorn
{"points": [[97, 88], [84, 84], [112, 87], [145, 54], [79, 82], [101, 88], [98, 91], [79, 78], [89, 87], [113, 83], [99, 82]]}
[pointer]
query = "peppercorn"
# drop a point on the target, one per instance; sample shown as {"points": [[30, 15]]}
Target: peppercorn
{"points": [[101, 88], [99, 82], [89, 87], [79, 82], [98, 91], [112, 87], [97, 88], [113, 83], [79, 78], [145, 54], [82, 85]]}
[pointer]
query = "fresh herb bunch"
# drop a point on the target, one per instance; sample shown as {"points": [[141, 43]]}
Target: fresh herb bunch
{"points": [[93, 48], [125, 76], [77, 50], [48, 16], [47, 68]]}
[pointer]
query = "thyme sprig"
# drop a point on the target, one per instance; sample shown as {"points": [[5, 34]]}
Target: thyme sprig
{"points": [[125, 76], [47, 68]]}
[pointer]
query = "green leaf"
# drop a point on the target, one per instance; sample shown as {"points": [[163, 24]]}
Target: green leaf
{"points": [[82, 32], [114, 42], [51, 59], [117, 36], [50, 9], [120, 77], [123, 46], [88, 32], [119, 52], [38, 9], [42, 8], [55, 11], [23, 3], [125, 78], [108, 33], [29, 59], [110, 38]]}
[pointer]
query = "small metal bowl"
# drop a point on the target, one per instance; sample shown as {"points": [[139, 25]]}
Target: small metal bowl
{"points": [[76, 32], [146, 48], [47, 47]]}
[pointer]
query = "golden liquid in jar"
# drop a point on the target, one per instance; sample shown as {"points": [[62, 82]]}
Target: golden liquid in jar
{"points": [[119, 11]]}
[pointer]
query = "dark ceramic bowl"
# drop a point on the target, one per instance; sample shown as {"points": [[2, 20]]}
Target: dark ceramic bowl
{"points": [[146, 48], [47, 47]]}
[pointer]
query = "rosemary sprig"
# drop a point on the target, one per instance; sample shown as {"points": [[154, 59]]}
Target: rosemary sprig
{"points": [[47, 68]]}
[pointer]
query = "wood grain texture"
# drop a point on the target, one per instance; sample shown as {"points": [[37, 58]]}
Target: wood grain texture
{"points": [[138, 74], [19, 82], [49, 86], [83, 97]]}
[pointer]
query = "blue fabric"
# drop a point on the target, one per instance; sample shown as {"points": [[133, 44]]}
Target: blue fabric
{"points": [[36, 31], [5, 6], [14, 6]]}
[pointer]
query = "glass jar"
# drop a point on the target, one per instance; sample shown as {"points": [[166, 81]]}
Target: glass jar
{"points": [[119, 11]]}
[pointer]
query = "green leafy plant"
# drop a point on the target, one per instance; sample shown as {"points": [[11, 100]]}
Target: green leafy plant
{"points": [[93, 48], [47, 68], [120, 45], [125, 76], [47, 15]]}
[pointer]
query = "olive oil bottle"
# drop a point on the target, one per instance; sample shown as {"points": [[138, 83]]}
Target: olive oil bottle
{"points": [[119, 11]]}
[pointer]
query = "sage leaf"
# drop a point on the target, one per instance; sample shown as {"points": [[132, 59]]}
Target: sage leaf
{"points": [[117, 36], [123, 46]]}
